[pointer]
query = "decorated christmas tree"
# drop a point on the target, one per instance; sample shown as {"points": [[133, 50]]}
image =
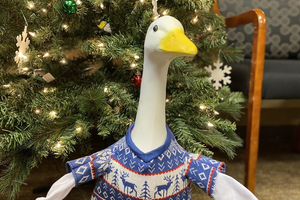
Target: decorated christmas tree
{"points": [[77, 67]]}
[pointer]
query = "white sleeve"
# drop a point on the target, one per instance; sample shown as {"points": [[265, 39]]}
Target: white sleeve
{"points": [[60, 189], [227, 188]]}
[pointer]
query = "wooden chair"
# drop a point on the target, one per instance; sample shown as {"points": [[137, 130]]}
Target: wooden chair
{"points": [[257, 17]]}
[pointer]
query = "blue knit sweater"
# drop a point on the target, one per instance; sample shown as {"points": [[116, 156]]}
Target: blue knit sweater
{"points": [[127, 173]]}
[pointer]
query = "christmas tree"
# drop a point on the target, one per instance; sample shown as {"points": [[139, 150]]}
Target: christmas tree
{"points": [[77, 66]]}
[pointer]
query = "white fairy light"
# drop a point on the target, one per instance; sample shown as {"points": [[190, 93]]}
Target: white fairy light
{"points": [[65, 26], [6, 86], [209, 28], [210, 124], [156, 17], [202, 107], [58, 145], [32, 34], [30, 4], [165, 12], [106, 90], [44, 10], [78, 2], [63, 61], [102, 6], [37, 111], [53, 114], [45, 90], [195, 20], [136, 57], [101, 45], [133, 65], [78, 129], [46, 55], [25, 69], [216, 113], [167, 100]]}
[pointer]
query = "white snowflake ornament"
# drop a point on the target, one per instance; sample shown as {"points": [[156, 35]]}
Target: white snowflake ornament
{"points": [[218, 74], [23, 44]]}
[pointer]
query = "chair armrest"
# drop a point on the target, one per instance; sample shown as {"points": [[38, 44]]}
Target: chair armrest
{"points": [[257, 17]]}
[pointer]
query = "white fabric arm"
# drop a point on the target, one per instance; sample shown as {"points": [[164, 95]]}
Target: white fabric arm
{"points": [[227, 188], [60, 189]]}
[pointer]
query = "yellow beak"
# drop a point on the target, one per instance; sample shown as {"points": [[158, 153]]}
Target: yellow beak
{"points": [[177, 42]]}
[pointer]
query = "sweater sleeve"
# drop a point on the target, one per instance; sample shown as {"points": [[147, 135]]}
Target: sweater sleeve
{"points": [[202, 171], [89, 167]]}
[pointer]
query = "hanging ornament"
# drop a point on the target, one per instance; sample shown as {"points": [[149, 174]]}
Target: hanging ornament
{"points": [[70, 6], [104, 26], [23, 44], [155, 13], [48, 77], [218, 74], [137, 80]]}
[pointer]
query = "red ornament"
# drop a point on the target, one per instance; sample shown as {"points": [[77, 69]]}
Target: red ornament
{"points": [[137, 80]]}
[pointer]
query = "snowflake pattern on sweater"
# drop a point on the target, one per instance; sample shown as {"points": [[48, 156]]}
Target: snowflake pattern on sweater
{"points": [[127, 173]]}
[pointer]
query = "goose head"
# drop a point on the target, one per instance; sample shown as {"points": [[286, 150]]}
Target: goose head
{"points": [[165, 39]]}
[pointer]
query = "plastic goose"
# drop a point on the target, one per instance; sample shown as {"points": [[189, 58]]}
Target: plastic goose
{"points": [[142, 173], [165, 40]]}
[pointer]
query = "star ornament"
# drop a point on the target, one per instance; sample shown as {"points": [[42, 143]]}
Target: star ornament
{"points": [[218, 74]]}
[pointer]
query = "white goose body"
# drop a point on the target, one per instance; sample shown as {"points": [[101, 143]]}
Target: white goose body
{"points": [[165, 40]]}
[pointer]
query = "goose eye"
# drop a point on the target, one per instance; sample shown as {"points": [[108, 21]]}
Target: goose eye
{"points": [[155, 28]]}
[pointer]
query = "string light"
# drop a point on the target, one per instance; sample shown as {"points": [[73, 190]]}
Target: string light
{"points": [[65, 26], [78, 129], [46, 55], [53, 114], [58, 145], [101, 45], [142, 1], [45, 90], [165, 12], [136, 57], [6, 86], [106, 90], [30, 4], [32, 34], [209, 28], [78, 2], [25, 69], [216, 113], [156, 17], [210, 124], [44, 10], [102, 6], [63, 61], [202, 107], [37, 111], [195, 20], [133, 65], [167, 100]]}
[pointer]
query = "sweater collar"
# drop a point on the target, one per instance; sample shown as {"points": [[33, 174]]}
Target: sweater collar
{"points": [[146, 157]]}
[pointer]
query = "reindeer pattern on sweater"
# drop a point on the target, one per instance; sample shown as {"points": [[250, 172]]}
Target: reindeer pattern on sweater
{"points": [[127, 173]]}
